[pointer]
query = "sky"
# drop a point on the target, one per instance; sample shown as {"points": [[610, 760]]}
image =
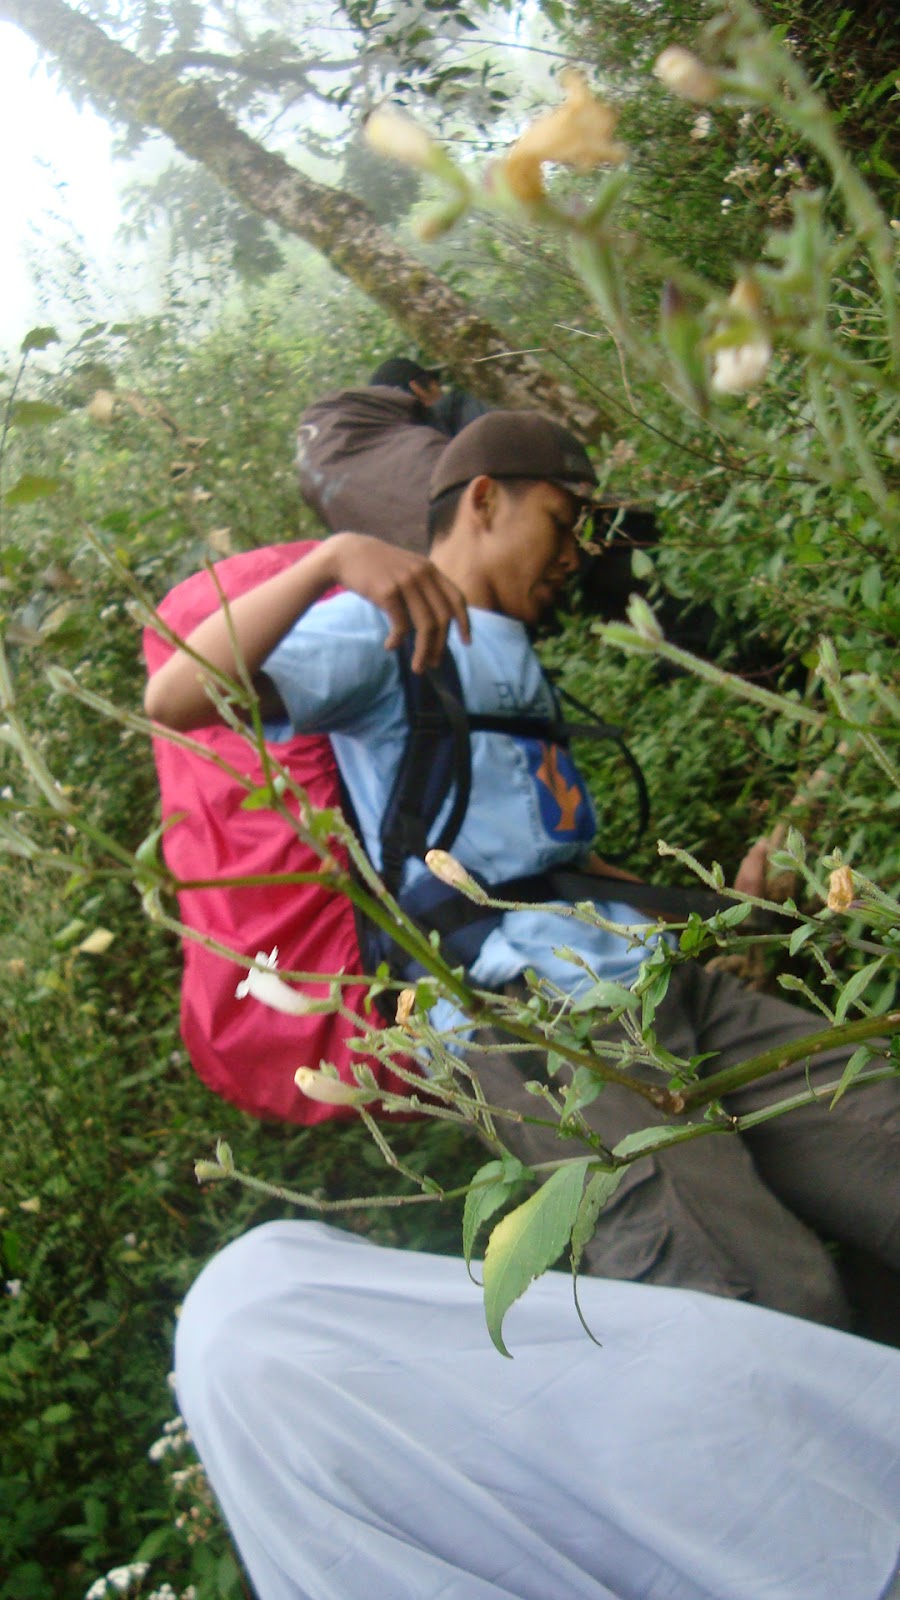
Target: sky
{"points": [[56, 182]]}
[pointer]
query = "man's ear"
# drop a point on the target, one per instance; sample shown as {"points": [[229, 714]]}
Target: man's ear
{"points": [[483, 492]]}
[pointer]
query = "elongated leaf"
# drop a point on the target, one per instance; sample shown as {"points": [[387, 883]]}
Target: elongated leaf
{"points": [[31, 487], [29, 413], [38, 339], [852, 990], [634, 1143], [598, 1193], [800, 935], [859, 1059], [528, 1241], [493, 1184]]}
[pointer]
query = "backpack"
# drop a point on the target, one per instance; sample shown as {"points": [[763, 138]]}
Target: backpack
{"points": [[251, 1060], [243, 1051]]}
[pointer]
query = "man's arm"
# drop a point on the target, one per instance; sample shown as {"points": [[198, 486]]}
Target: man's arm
{"points": [[413, 594]]}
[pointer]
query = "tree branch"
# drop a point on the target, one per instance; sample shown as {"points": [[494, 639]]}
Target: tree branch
{"points": [[332, 221]]}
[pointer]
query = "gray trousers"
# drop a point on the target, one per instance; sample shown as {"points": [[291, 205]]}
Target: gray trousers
{"points": [[733, 1215]]}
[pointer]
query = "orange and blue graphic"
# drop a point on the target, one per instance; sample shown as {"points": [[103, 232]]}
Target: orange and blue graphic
{"points": [[565, 805]]}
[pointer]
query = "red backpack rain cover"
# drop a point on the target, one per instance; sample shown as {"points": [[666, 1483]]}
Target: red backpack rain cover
{"points": [[242, 1049]]}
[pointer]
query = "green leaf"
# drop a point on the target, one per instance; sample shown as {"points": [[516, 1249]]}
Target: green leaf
{"points": [[860, 1058], [582, 1091], [734, 914], [645, 1138], [800, 935], [38, 339], [31, 487], [28, 413], [852, 990], [528, 1241], [598, 1193], [605, 995], [261, 799], [870, 588], [54, 1416], [493, 1184]]}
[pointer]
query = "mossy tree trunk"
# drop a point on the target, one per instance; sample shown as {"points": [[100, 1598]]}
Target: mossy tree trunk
{"points": [[126, 89]]}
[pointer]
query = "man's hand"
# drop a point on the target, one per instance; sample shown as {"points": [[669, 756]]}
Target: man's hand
{"points": [[752, 872], [412, 592]]}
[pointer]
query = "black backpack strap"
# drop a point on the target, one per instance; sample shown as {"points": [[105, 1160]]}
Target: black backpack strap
{"points": [[436, 761]]}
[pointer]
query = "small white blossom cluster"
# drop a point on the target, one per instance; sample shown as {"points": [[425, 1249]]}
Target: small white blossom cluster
{"points": [[118, 1580], [174, 1437], [166, 1592]]}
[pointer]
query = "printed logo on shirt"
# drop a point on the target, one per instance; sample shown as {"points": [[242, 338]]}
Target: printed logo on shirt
{"points": [[565, 806]]}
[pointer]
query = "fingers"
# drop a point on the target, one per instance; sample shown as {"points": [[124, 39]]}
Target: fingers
{"points": [[413, 593], [426, 603], [751, 874]]}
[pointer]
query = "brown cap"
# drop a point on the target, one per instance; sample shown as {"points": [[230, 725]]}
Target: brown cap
{"points": [[514, 444]]}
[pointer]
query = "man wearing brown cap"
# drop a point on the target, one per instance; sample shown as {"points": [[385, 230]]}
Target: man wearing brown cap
{"points": [[718, 1214]]}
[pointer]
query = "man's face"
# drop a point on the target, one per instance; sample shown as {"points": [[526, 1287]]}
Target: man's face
{"points": [[531, 549]]}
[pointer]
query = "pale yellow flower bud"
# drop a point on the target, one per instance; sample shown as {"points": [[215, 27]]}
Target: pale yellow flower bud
{"points": [[398, 137], [685, 74], [102, 407], [330, 1091], [451, 871], [577, 134], [840, 889], [406, 1003], [97, 943]]}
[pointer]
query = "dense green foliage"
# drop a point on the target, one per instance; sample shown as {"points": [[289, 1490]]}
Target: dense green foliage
{"points": [[168, 442]]}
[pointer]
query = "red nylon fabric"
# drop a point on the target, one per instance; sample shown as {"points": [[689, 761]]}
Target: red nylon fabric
{"points": [[242, 1049]]}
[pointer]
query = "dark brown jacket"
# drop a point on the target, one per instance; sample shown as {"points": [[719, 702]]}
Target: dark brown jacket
{"points": [[364, 458]]}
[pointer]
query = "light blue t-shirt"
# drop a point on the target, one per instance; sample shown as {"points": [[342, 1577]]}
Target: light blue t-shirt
{"points": [[529, 809]]}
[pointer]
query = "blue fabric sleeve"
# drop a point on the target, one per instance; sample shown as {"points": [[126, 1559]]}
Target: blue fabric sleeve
{"points": [[331, 669]]}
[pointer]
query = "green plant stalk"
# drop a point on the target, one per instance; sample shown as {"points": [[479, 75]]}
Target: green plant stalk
{"points": [[623, 637], [858, 446], [868, 740], [770, 1061]]}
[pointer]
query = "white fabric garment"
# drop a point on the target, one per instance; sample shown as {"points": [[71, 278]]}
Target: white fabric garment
{"points": [[366, 1441]]}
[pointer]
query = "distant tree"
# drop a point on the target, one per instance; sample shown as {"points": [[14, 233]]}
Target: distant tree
{"points": [[138, 95]]}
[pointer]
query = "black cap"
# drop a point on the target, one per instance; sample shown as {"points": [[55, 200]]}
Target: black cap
{"points": [[399, 373], [515, 444]]}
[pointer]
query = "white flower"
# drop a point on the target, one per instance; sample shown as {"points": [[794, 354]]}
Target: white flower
{"points": [[330, 1091], [97, 1591], [701, 126], [740, 367], [122, 1578], [13, 1287], [685, 74], [263, 983]]}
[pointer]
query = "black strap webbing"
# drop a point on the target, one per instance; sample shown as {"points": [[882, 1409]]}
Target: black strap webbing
{"points": [[437, 760]]}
